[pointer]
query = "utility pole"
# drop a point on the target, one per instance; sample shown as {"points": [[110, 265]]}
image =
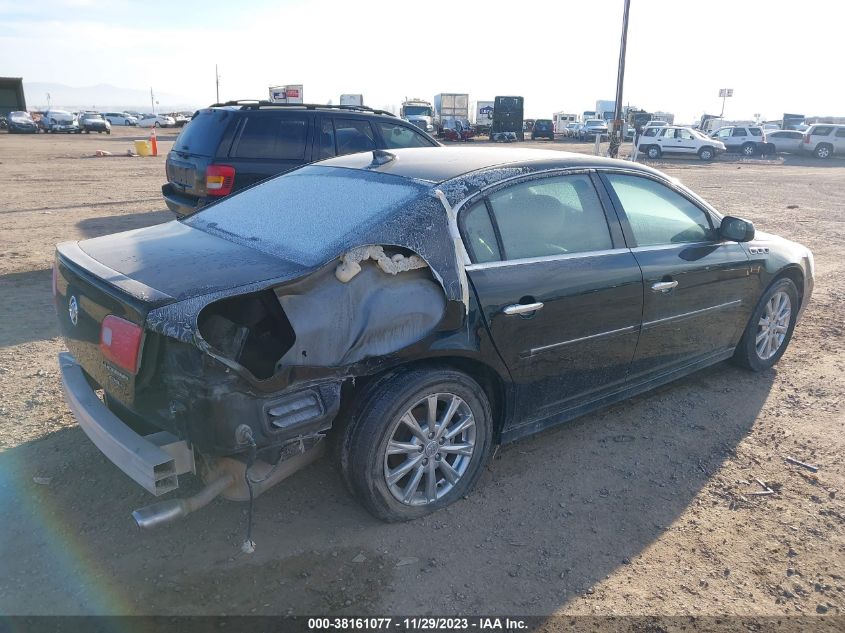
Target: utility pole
{"points": [[152, 100], [725, 93], [217, 83], [615, 139]]}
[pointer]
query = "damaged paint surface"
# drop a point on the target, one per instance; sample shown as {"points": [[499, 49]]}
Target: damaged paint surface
{"points": [[378, 211]]}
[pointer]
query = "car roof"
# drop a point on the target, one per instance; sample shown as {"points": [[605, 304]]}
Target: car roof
{"points": [[438, 165]]}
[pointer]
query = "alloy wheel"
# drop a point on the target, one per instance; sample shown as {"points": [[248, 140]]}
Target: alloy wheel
{"points": [[430, 448], [773, 325]]}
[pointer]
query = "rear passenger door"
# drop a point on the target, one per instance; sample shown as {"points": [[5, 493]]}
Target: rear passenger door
{"points": [[560, 293], [267, 143]]}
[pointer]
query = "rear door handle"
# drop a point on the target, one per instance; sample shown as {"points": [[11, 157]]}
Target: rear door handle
{"points": [[664, 286], [522, 308]]}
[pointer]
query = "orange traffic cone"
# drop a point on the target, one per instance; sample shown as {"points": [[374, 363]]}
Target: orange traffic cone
{"points": [[154, 143]]}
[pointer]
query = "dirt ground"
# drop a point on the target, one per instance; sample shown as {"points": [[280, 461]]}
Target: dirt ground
{"points": [[642, 508]]}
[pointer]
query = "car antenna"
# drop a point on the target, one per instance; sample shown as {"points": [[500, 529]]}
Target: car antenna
{"points": [[381, 157]]}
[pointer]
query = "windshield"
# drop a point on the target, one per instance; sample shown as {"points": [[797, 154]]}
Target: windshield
{"points": [[417, 111], [595, 122], [308, 215]]}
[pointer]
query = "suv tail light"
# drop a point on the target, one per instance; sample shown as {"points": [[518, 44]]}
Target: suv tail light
{"points": [[120, 342], [219, 180], [807, 137]]}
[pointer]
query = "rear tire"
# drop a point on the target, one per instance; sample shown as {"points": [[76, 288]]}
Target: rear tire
{"points": [[706, 153], [378, 420], [752, 352], [823, 151], [653, 152], [748, 149]]}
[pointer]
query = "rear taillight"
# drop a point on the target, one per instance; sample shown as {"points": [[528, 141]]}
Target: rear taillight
{"points": [[219, 180], [120, 342], [807, 138]]}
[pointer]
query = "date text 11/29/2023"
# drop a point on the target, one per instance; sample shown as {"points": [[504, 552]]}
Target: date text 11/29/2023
{"points": [[425, 623]]}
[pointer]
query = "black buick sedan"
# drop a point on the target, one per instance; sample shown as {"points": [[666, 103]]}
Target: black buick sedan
{"points": [[409, 310]]}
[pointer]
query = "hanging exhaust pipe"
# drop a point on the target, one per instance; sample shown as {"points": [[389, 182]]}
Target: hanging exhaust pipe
{"points": [[171, 510]]}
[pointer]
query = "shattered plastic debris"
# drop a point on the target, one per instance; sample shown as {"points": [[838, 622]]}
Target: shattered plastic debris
{"points": [[350, 264]]}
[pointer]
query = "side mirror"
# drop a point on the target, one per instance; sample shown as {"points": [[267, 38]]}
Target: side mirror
{"points": [[736, 229]]}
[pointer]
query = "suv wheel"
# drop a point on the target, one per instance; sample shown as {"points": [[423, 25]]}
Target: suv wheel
{"points": [[823, 151], [770, 328], [417, 442], [749, 149], [653, 152], [705, 153]]}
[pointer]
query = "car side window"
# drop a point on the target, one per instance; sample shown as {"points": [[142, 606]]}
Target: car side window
{"points": [[353, 136], [327, 148], [271, 137], [550, 216], [685, 135], [479, 234], [755, 131], [821, 130], [738, 131], [399, 136], [840, 132], [724, 133], [657, 214]]}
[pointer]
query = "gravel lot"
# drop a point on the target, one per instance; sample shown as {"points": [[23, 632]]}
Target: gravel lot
{"points": [[637, 509]]}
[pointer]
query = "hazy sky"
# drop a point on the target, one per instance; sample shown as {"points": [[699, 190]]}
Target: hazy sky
{"points": [[559, 55]]}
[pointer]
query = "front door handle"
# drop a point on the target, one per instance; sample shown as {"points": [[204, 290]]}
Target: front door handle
{"points": [[522, 308], [664, 286]]}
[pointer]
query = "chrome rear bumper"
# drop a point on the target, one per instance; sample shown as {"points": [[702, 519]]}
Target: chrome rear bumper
{"points": [[153, 461]]}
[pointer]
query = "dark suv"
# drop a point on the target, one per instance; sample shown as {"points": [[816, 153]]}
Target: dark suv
{"points": [[543, 128], [233, 145]]}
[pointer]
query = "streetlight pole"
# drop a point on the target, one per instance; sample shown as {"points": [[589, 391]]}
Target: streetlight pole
{"points": [[217, 83], [615, 140]]}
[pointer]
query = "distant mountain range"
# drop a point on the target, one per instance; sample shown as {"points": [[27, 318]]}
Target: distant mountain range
{"points": [[101, 97]]}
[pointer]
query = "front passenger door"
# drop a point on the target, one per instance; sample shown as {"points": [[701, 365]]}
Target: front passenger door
{"points": [[697, 289]]}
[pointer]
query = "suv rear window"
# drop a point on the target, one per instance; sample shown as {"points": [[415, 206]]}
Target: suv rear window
{"points": [[821, 130], [756, 131], [202, 134], [271, 137]]}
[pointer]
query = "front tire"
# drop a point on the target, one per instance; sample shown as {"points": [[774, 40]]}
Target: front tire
{"points": [[157, 124], [653, 152], [770, 327], [706, 153], [416, 442]]}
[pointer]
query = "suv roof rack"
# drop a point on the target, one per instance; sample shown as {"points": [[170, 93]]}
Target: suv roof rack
{"points": [[256, 104]]}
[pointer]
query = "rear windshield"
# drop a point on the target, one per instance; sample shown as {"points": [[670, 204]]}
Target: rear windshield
{"points": [[309, 215], [202, 134]]}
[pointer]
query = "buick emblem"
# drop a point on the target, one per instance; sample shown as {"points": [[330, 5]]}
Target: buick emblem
{"points": [[73, 310]]}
